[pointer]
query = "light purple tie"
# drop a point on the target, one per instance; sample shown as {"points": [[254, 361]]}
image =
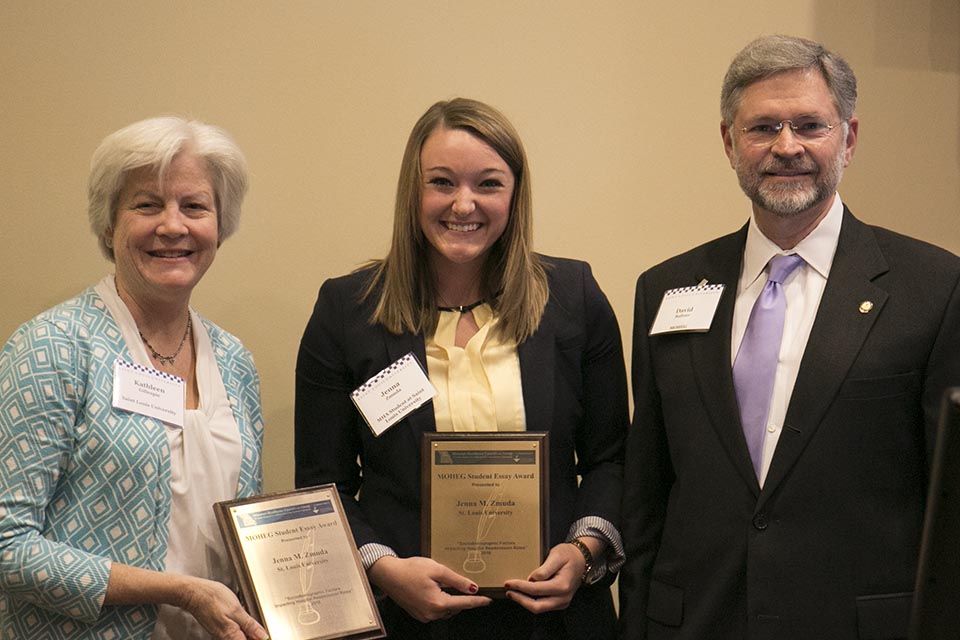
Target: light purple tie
{"points": [[756, 363]]}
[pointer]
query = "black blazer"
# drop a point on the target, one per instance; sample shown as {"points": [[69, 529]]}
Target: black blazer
{"points": [[828, 548], [574, 386]]}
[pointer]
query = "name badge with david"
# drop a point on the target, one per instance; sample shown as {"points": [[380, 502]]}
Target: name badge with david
{"points": [[149, 392], [688, 309], [389, 396]]}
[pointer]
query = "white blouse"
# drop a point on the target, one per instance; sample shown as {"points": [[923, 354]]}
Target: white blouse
{"points": [[204, 465]]}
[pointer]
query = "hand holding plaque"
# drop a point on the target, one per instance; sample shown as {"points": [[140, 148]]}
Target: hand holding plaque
{"points": [[485, 504], [424, 588]]}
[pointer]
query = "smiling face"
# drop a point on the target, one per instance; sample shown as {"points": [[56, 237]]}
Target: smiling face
{"points": [[465, 198], [790, 177], [165, 235]]}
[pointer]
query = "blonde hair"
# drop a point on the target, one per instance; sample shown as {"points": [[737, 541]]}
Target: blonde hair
{"points": [[513, 278]]}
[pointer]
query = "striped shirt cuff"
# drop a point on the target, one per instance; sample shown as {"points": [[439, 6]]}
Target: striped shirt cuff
{"points": [[373, 551], [602, 529]]}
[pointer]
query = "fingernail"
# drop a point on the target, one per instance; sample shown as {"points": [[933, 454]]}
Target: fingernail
{"points": [[473, 588]]}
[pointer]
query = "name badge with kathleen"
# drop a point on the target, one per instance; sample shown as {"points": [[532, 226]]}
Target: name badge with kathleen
{"points": [[149, 392], [688, 309], [392, 394]]}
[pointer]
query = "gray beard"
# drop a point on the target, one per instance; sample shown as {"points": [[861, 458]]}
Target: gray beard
{"points": [[789, 200]]}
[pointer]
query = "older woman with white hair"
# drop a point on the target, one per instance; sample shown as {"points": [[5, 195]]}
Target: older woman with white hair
{"points": [[124, 415]]}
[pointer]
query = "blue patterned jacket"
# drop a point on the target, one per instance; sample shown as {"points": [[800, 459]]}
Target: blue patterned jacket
{"points": [[83, 484]]}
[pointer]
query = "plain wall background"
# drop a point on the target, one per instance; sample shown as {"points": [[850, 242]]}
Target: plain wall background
{"points": [[617, 104]]}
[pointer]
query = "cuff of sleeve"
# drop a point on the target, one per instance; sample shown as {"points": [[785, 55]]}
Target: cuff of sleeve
{"points": [[372, 551], [602, 529]]}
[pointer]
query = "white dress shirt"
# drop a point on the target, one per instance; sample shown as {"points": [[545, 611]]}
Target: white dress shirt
{"points": [[803, 289]]}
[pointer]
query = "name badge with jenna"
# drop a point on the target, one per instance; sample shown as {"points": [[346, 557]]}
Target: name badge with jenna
{"points": [[687, 309], [149, 392], [392, 394]]}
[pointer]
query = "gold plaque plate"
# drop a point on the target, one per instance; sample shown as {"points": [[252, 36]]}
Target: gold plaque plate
{"points": [[486, 504]]}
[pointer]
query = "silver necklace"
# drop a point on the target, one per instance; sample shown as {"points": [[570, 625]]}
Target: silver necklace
{"points": [[162, 359]]}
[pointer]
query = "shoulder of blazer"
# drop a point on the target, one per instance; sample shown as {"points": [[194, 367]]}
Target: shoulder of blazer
{"points": [[720, 248], [717, 261], [566, 280], [352, 284], [562, 273], [565, 265], [900, 250], [345, 295]]}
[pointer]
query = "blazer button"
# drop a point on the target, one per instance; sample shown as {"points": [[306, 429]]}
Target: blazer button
{"points": [[760, 521]]}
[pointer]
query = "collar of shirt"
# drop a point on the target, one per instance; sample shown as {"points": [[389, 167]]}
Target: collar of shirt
{"points": [[446, 332], [817, 249]]}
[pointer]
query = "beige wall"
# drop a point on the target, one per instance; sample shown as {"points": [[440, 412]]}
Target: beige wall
{"points": [[616, 101]]}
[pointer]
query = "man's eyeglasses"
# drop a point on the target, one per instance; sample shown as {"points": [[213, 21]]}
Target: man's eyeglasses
{"points": [[808, 131]]}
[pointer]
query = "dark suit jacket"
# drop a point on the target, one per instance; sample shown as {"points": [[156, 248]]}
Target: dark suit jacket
{"points": [[574, 386], [828, 548]]}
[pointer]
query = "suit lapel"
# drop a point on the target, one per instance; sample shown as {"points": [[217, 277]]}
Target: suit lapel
{"points": [[421, 419], [536, 373], [710, 354], [836, 338]]}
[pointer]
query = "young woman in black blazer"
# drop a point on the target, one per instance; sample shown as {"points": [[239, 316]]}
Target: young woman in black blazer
{"points": [[532, 344]]}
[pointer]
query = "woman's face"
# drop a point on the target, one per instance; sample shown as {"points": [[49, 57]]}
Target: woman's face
{"points": [[165, 237], [465, 197]]}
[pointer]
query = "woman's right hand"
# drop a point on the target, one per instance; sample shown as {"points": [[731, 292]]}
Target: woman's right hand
{"points": [[218, 611], [214, 606], [417, 583]]}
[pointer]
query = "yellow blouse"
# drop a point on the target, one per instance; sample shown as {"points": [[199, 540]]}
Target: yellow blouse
{"points": [[478, 386]]}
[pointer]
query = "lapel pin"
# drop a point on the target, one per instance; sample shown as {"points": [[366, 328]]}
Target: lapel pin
{"points": [[866, 306]]}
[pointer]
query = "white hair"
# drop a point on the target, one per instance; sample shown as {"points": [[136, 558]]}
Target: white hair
{"points": [[154, 143]]}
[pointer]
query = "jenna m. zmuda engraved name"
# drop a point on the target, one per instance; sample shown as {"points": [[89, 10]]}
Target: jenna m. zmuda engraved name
{"points": [[304, 560]]}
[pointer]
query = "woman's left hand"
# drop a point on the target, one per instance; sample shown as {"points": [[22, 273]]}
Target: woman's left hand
{"points": [[551, 585]]}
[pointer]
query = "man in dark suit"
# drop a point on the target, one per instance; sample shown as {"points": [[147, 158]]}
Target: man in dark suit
{"points": [[790, 504]]}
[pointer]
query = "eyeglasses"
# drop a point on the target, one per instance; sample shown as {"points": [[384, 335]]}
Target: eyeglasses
{"points": [[806, 130]]}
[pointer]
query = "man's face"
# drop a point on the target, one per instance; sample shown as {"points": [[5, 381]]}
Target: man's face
{"points": [[791, 175]]}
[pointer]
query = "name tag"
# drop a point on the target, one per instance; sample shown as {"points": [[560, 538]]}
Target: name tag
{"points": [[392, 394], [149, 392], [687, 309]]}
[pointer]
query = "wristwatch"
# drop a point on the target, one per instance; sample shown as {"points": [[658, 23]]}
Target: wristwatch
{"points": [[587, 557]]}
